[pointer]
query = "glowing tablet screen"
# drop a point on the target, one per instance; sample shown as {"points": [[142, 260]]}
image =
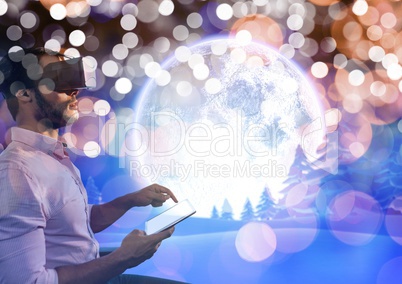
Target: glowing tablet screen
{"points": [[170, 217]]}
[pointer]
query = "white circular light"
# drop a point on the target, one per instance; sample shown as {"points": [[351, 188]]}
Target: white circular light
{"points": [[195, 59], [162, 44], [244, 37], [219, 48], [394, 71], [213, 86], [194, 20], [58, 11], [130, 40], [77, 38], [163, 78], [180, 33], [224, 12], [152, 69], [376, 53], [123, 86], [297, 40], [3, 7], [166, 8], [319, 70], [53, 45], [72, 52], [356, 78], [101, 107], [128, 22], [92, 149], [295, 22], [255, 241], [110, 68], [28, 20], [184, 88], [147, 11], [201, 72], [182, 53], [360, 8], [120, 51]]}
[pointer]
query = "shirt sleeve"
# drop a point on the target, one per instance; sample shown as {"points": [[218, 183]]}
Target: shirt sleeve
{"points": [[22, 240]]}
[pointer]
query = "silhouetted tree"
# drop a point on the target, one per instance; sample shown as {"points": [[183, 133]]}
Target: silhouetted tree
{"points": [[215, 213], [248, 211], [227, 211], [266, 208]]}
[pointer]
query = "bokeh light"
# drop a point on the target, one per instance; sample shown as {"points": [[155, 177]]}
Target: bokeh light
{"points": [[123, 85], [261, 29], [175, 263], [388, 270], [29, 20], [58, 11], [255, 242], [92, 149], [393, 220], [354, 218], [77, 38], [128, 22], [3, 7]]}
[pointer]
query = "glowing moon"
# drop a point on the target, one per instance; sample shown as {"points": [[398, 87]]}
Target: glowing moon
{"points": [[225, 125]]}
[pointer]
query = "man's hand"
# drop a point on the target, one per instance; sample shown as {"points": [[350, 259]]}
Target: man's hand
{"points": [[103, 215], [137, 247], [154, 195]]}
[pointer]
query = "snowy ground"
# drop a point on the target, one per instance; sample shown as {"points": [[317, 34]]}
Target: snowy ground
{"points": [[204, 251]]}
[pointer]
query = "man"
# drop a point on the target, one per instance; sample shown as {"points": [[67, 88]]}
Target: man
{"points": [[46, 226]]}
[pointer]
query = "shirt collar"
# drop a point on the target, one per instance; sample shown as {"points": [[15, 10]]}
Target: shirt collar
{"points": [[38, 141]]}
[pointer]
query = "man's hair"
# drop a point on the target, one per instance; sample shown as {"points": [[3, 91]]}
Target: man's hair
{"points": [[20, 70]]}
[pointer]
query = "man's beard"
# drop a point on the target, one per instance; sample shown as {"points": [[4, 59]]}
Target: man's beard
{"points": [[54, 115]]}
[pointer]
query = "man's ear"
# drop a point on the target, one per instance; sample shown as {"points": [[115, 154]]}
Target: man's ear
{"points": [[24, 95]]}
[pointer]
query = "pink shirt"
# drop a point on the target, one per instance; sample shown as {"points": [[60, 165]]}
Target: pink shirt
{"points": [[44, 214]]}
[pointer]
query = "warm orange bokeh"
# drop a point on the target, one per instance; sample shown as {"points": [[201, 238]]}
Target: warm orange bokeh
{"points": [[262, 29], [324, 2], [49, 3]]}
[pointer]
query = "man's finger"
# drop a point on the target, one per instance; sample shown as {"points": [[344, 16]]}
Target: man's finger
{"points": [[138, 232], [157, 204], [168, 192], [159, 237], [158, 197]]}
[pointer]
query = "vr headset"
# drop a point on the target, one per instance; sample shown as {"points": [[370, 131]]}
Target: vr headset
{"points": [[71, 74]]}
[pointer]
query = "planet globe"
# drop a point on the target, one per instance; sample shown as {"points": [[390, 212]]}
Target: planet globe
{"points": [[220, 121]]}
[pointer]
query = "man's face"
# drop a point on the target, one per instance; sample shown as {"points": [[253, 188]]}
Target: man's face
{"points": [[59, 109]]}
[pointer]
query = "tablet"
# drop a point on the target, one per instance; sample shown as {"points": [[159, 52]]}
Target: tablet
{"points": [[170, 217]]}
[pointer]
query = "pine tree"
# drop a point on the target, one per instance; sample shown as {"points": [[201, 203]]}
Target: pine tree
{"points": [[227, 212], [248, 211], [215, 213], [94, 194], [266, 208], [302, 172]]}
